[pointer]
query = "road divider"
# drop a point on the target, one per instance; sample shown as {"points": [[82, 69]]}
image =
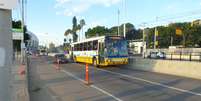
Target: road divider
{"points": [[171, 67]]}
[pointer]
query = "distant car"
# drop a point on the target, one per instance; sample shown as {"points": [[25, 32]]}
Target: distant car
{"points": [[61, 58], [161, 55], [29, 52], [157, 55]]}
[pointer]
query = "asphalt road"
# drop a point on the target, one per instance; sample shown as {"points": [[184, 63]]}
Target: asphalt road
{"points": [[114, 83]]}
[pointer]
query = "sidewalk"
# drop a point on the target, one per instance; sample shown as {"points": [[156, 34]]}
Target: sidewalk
{"points": [[19, 82], [49, 84]]}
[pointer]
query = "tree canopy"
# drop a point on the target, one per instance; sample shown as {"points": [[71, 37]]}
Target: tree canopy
{"points": [[75, 27], [190, 35], [131, 32]]}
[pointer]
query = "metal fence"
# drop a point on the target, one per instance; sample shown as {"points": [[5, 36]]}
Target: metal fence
{"points": [[184, 56], [192, 56]]}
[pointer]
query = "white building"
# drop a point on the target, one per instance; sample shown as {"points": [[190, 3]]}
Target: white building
{"points": [[18, 37], [33, 43], [136, 46]]}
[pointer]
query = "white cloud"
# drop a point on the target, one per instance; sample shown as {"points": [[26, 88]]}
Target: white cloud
{"points": [[106, 3], [76, 7]]}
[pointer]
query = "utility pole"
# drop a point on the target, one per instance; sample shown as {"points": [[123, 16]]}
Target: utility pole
{"points": [[124, 7], [171, 40], [143, 43], [156, 35], [23, 28], [118, 23], [155, 32]]}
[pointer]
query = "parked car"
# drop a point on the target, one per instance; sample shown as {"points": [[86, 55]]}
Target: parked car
{"points": [[61, 58], [161, 55], [157, 55]]}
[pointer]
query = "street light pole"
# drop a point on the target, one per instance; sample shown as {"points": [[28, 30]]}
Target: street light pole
{"points": [[118, 22], [143, 43], [155, 35], [124, 6], [23, 29]]}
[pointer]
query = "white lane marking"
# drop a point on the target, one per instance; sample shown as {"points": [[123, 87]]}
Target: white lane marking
{"points": [[70, 74], [154, 83], [93, 86]]}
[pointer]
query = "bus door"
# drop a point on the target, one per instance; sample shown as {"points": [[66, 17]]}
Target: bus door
{"points": [[101, 52]]}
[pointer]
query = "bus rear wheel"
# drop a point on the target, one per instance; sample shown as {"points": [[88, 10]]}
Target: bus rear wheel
{"points": [[95, 62]]}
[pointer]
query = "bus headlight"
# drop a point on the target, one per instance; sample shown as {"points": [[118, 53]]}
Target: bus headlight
{"points": [[108, 60]]}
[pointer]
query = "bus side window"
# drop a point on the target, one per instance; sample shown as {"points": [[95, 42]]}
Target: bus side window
{"points": [[81, 47], [72, 48], [91, 45], [88, 45], [75, 47], [85, 46], [95, 45], [78, 47]]}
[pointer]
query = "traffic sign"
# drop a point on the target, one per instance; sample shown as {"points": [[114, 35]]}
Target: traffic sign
{"points": [[8, 4], [178, 32]]}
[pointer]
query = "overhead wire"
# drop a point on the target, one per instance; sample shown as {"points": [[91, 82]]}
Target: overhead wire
{"points": [[170, 18]]}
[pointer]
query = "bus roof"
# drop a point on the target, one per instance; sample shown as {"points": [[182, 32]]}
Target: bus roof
{"points": [[89, 39]]}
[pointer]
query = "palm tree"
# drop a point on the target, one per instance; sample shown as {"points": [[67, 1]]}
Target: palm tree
{"points": [[76, 27], [69, 31]]}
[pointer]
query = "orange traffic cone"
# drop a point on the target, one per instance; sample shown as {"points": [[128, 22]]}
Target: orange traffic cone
{"points": [[87, 75]]}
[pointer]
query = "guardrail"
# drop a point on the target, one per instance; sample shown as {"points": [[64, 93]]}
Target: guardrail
{"points": [[192, 56]]}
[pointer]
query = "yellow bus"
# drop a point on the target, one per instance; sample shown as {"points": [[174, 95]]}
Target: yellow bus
{"points": [[101, 51]]}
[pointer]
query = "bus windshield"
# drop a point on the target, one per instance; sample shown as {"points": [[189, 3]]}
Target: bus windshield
{"points": [[116, 47]]}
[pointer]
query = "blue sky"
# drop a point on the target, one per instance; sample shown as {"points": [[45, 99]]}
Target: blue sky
{"points": [[49, 19]]}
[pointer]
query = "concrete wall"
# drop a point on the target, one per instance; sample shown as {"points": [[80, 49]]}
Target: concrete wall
{"points": [[5, 54], [179, 68]]}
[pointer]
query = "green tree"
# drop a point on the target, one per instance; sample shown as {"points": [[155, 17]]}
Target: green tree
{"points": [[96, 31], [67, 32], [131, 32], [75, 27], [17, 24]]}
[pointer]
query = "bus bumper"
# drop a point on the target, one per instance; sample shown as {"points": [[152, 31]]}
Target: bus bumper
{"points": [[116, 61]]}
